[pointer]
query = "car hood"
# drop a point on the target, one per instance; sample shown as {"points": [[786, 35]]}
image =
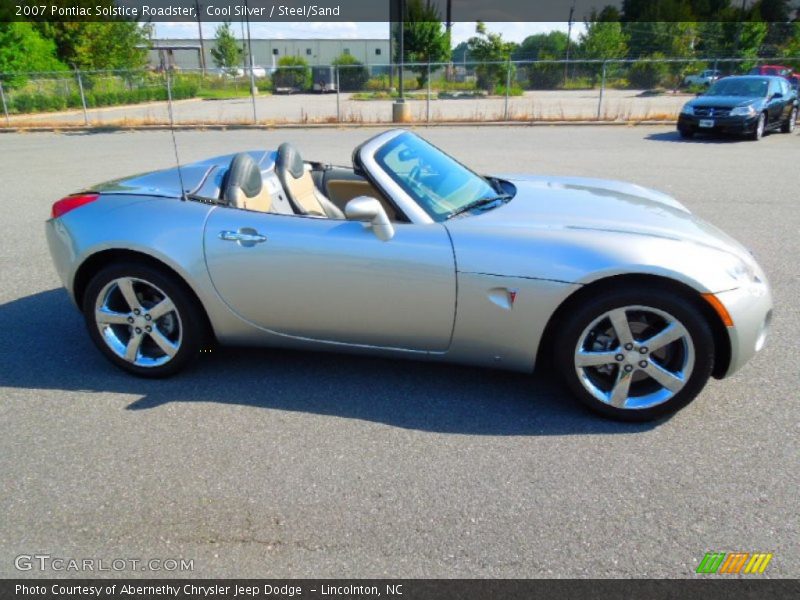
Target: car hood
{"points": [[723, 101], [582, 204]]}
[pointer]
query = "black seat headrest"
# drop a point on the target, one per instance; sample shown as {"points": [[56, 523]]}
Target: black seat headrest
{"points": [[289, 160], [244, 173]]}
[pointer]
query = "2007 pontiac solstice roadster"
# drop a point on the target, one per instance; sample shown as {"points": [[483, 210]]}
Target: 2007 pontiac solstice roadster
{"points": [[408, 253]]}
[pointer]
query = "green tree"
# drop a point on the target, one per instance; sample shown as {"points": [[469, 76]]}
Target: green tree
{"points": [[226, 53], [424, 38], [487, 47], [460, 53], [648, 74], [353, 75], [293, 72], [97, 43], [22, 48], [602, 40], [544, 46]]}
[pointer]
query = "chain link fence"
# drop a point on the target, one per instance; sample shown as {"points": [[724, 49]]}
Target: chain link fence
{"points": [[515, 91]]}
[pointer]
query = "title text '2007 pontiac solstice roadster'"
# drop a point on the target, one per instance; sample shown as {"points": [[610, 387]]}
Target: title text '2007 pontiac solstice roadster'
{"points": [[408, 253]]}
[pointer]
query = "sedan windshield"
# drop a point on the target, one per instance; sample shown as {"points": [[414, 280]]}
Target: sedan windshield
{"points": [[441, 186], [736, 86]]}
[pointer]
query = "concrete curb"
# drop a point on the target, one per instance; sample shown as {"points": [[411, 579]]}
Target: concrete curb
{"points": [[262, 126]]}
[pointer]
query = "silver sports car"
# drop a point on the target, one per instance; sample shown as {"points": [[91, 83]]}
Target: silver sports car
{"points": [[408, 253]]}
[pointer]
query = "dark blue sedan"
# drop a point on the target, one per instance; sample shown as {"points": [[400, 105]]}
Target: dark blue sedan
{"points": [[747, 105]]}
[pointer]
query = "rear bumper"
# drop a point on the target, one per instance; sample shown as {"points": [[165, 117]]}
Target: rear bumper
{"points": [[734, 125], [750, 308], [61, 251]]}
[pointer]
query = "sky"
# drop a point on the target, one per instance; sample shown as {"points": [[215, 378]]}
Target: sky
{"points": [[514, 32]]}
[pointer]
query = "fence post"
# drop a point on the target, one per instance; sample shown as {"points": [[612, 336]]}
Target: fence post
{"points": [[338, 102], [5, 106], [253, 91], [83, 97], [508, 89], [602, 89], [169, 99], [428, 104]]}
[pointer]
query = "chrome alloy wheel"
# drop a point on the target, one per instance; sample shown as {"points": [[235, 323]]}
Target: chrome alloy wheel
{"points": [[792, 120], [634, 357], [138, 322], [761, 126]]}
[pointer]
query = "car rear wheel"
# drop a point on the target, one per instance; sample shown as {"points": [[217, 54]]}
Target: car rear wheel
{"points": [[789, 124], [143, 321], [636, 354], [760, 127]]}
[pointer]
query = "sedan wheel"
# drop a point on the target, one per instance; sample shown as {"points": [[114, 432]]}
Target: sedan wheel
{"points": [[142, 321], [758, 132], [636, 355]]}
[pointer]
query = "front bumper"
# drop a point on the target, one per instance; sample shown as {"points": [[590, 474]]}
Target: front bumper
{"points": [[735, 125], [750, 308]]}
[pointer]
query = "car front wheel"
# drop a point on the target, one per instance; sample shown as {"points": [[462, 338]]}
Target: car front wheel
{"points": [[636, 354], [761, 125], [142, 320]]}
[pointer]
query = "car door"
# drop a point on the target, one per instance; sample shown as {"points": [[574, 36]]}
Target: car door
{"points": [[334, 280], [788, 100], [775, 103]]}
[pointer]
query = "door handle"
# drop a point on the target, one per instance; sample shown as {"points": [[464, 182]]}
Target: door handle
{"points": [[246, 236]]}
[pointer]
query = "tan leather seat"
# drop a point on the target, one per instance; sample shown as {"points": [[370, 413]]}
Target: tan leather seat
{"points": [[306, 199], [244, 186]]}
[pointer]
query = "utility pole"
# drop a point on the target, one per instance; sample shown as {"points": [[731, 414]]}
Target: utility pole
{"points": [[401, 111], [569, 39], [448, 26], [253, 89], [202, 43]]}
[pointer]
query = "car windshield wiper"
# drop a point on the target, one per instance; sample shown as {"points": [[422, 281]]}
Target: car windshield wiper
{"points": [[479, 203]]}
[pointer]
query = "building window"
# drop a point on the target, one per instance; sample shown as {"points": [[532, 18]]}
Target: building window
{"points": [[275, 51], [377, 51], [346, 51], [308, 51]]}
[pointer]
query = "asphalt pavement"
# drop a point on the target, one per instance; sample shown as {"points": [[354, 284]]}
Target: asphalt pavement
{"points": [[263, 463]]}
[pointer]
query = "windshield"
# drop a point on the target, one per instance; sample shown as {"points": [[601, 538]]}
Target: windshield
{"points": [[750, 88], [439, 184]]}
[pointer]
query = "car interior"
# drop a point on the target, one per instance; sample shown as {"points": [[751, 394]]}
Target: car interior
{"points": [[297, 187]]}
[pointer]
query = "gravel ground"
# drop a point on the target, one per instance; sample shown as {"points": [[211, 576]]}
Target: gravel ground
{"points": [[314, 108]]}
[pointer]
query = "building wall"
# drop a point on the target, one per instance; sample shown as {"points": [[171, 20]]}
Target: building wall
{"points": [[267, 53]]}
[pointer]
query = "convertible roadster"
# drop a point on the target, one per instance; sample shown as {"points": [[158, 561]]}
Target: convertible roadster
{"points": [[408, 253]]}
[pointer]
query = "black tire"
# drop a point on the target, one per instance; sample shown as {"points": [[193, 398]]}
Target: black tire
{"points": [[687, 312], [760, 129], [190, 321], [788, 125], [686, 134]]}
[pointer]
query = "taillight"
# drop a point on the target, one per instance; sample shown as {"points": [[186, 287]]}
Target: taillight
{"points": [[69, 203]]}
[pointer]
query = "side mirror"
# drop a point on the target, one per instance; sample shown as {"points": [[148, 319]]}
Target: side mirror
{"points": [[365, 208], [777, 96]]}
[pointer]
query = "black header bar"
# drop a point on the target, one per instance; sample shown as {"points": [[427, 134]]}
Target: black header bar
{"points": [[359, 10], [400, 589]]}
